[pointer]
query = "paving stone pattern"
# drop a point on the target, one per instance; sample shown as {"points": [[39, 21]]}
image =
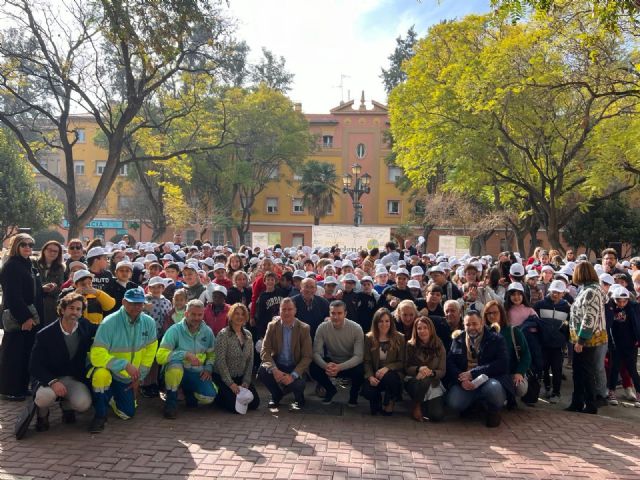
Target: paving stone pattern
{"points": [[334, 443]]}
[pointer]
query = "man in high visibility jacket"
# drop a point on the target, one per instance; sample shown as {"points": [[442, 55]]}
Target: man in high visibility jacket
{"points": [[187, 350], [122, 353]]}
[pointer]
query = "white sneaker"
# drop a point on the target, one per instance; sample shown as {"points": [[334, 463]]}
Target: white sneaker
{"points": [[630, 394], [612, 399], [554, 399], [637, 401]]}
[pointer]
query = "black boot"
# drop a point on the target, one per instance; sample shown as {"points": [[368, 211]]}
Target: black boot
{"points": [[42, 423]]}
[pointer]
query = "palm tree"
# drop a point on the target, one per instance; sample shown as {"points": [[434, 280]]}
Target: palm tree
{"points": [[318, 187]]}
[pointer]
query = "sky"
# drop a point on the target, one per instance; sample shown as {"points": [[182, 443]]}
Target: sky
{"points": [[324, 40]]}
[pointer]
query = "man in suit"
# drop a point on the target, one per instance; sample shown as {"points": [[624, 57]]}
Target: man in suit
{"points": [[286, 354], [58, 362]]}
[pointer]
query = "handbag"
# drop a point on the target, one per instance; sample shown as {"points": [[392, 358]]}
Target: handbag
{"points": [[533, 383], [10, 324], [435, 392]]}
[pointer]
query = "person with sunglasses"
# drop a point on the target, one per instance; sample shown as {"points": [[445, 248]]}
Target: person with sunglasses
{"points": [[23, 309], [75, 252]]}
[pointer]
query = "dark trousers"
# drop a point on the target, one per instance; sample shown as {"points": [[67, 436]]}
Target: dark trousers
{"points": [[356, 374], [553, 358], [390, 385], [584, 379], [628, 358], [227, 399], [14, 362], [417, 389], [277, 390]]}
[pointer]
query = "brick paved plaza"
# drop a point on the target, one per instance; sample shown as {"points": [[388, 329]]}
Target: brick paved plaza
{"points": [[326, 443]]}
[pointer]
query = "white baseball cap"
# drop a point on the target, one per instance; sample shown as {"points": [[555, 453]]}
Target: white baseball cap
{"points": [[156, 281], [413, 284], [330, 280], [417, 271], [96, 252], [243, 399], [515, 286], [517, 270], [402, 271], [606, 278], [350, 277], [80, 274], [558, 286]]}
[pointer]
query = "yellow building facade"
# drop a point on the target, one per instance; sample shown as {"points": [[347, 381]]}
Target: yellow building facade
{"points": [[346, 135]]}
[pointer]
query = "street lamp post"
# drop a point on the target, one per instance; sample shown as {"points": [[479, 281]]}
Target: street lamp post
{"points": [[360, 187]]}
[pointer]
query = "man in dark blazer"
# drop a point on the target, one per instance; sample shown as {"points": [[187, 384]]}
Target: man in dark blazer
{"points": [[286, 354], [59, 360]]}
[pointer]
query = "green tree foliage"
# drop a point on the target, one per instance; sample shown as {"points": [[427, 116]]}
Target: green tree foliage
{"points": [[21, 203], [271, 71], [610, 13], [108, 59], [405, 49], [521, 108], [610, 221], [318, 188], [265, 134]]}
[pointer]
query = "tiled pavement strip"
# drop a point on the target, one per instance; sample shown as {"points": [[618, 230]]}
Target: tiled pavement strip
{"points": [[326, 443]]}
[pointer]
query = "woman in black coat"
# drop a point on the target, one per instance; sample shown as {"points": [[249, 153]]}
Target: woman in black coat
{"points": [[22, 297]]}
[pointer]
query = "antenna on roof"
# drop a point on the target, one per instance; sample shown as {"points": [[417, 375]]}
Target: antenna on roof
{"points": [[341, 87]]}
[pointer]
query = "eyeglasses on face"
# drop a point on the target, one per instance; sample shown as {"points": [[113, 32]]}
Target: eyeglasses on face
{"points": [[75, 247], [26, 245], [491, 313]]}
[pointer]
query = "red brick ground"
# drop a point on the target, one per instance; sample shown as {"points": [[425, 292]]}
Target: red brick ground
{"points": [[531, 443]]}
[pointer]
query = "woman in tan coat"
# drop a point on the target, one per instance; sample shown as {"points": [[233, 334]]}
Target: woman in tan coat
{"points": [[384, 354], [426, 366]]}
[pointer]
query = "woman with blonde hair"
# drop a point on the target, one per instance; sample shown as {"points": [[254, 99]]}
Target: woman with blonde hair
{"points": [[234, 360], [384, 355], [23, 309], [406, 315]]}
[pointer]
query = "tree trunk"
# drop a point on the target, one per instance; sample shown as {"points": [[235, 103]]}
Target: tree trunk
{"points": [[316, 220]]}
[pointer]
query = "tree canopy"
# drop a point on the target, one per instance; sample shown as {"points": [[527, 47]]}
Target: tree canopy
{"points": [[520, 113], [110, 60], [21, 203]]}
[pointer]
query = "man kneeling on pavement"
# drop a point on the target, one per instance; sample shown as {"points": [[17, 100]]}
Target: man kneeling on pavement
{"points": [[121, 356], [478, 369], [286, 354], [58, 362], [187, 350]]}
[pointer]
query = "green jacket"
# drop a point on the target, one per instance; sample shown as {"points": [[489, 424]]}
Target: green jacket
{"points": [[178, 341]]}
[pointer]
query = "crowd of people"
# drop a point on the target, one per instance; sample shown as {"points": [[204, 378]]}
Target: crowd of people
{"points": [[97, 325]]}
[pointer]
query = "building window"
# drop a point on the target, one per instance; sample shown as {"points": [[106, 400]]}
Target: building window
{"points": [[123, 170], [272, 205], [274, 174], [360, 150], [395, 173], [78, 167], [217, 237], [327, 141], [100, 166], [420, 207], [393, 207], [124, 202], [81, 135], [297, 177], [298, 207], [190, 237], [297, 240]]}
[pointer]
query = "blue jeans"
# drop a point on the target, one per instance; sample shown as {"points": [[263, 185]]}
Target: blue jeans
{"points": [[491, 393]]}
